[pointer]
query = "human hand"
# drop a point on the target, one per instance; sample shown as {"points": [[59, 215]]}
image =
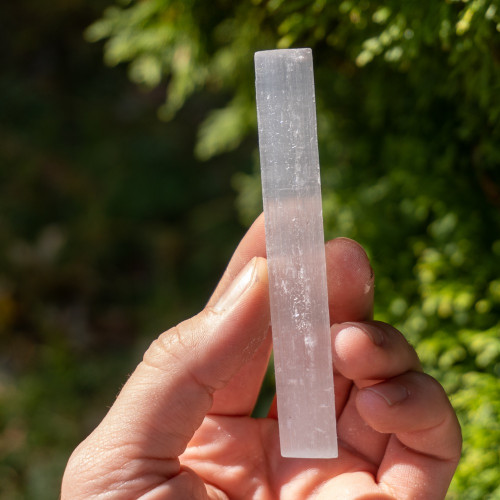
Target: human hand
{"points": [[181, 426]]}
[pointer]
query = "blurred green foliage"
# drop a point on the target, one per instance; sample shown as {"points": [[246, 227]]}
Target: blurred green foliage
{"points": [[408, 100], [110, 232], [109, 226]]}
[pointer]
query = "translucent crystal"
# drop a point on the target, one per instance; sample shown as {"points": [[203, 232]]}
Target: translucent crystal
{"points": [[296, 254]]}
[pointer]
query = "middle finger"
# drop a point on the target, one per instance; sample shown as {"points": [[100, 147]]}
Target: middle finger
{"points": [[371, 351]]}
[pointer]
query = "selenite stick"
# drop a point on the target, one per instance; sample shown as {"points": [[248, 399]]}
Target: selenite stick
{"points": [[291, 190]]}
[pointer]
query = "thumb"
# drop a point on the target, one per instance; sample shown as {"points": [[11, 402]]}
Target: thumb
{"points": [[170, 392]]}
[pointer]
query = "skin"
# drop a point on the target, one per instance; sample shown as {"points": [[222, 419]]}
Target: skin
{"points": [[181, 426]]}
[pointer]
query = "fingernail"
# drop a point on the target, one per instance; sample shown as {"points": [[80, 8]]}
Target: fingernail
{"points": [[392, 393], [237, 288], [372, 332]]}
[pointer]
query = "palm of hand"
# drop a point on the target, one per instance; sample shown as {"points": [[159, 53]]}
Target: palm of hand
{"points": [[239, 458]]}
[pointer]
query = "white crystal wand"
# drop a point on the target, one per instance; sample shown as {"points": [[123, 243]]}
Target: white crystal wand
{"points": [[291, 192]]}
